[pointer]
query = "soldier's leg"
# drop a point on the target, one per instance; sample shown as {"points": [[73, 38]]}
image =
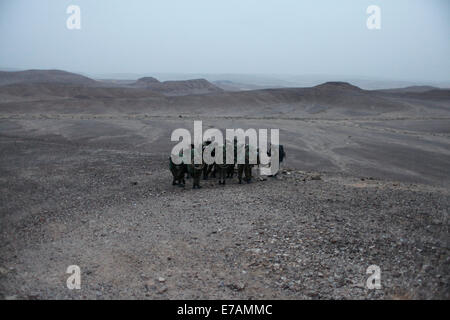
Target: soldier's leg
{"points": [[212, 171], [195, 181], [279, 169], [192, 174], [174, 180], [197, 174], [181, 181], [223, 172], [230, 171], [248, 173], [185, 173], [240, 171], [219, 171], [205, 172], [198, 179]]}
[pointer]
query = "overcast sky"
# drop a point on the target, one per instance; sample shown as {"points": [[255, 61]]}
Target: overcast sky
{"points": [[230, 36]]}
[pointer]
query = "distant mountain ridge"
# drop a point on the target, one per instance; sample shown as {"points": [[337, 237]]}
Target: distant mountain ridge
{"points": [[59, 77], [44, 84], [411, 89]]}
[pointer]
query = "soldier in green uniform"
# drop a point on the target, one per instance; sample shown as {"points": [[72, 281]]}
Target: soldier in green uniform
{"points": [[281, 156], [224, 168], [178, 171], [208, 168], [230, 168], [195, 170], [246, 167]]}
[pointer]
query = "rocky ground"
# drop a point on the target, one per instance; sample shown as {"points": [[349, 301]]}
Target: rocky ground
{"points": [[84, 181], [302, 235]]}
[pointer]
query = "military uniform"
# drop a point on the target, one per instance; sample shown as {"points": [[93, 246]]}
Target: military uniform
{"points": [[246, 168], [195, 170], [178, 171], [281, 156], [224, 168], [208, 168]]}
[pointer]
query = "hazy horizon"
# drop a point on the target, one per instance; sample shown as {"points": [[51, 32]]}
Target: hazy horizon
{"points": [[233, 37]]}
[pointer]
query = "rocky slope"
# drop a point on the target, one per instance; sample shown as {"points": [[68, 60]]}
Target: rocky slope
{"points": [[303, 235]]}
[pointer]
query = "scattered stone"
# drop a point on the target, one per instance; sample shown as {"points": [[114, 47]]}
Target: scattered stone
{"points": [[237, 286], [162, 290], [150, 285]]}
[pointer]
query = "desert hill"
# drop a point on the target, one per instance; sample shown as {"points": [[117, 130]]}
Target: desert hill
{"points": [[58, 77], [330, 98], [418, 92], [145, 82], [51, 91], [177, 88], [228, 85], [337, 85], [410, 89], [44, 76], [199, 97]]}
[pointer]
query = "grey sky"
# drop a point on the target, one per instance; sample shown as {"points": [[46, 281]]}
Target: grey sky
{"points": [[230, 36]]}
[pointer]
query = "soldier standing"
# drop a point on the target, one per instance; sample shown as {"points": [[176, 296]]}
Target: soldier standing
{"points": [[195, 170]]}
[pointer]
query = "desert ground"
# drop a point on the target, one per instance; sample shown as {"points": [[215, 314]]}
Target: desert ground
{"points": [[85, 181]]}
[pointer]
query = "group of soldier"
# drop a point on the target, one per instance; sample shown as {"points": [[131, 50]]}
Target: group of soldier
{"points": [[222, 171]]}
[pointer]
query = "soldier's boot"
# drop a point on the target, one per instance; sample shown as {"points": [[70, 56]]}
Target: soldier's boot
{"points": [[198, 184], [197, 174], [222, 173]]}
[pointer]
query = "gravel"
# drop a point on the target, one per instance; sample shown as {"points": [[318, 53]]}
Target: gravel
{"points": [[300, 235]]}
